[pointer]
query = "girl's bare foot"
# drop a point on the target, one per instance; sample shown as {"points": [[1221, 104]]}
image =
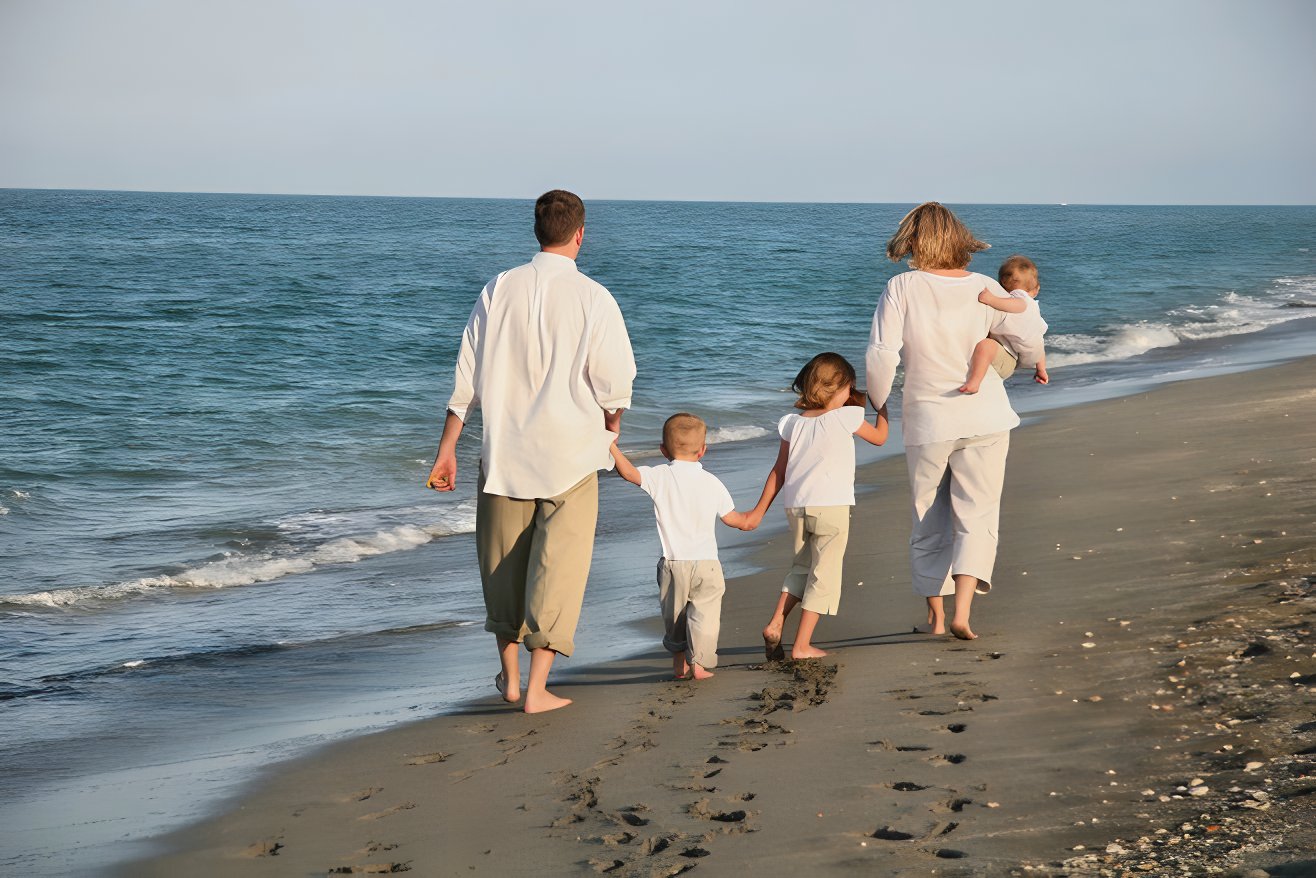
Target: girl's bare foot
{"points": [[699, 672], [808, 651], [680, 667], [511, 694], [772, 650], [962, 631], [543, 702]]}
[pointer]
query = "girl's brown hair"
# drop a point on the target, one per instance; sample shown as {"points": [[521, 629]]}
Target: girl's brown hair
{"points": [[820, 378], [933, 237]]}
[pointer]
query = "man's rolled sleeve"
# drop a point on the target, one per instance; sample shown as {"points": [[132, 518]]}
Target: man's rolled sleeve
{"points": [[611, 363]]}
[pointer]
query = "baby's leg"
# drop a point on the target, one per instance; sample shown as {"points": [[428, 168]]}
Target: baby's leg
{"points": [[983, 354]]}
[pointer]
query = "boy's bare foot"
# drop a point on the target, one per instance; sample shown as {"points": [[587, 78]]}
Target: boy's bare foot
{"points": [[772, 640], [511, 694], [699, 672], [969, 387], [806, 652], [680, 667], [962, 631], [544, 702]]}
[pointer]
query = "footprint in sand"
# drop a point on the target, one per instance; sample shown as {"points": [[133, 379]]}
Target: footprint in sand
{"points": [[956, 728], [429, 758], [947, 759], [269, 847], [887, 833], [380, 815]]}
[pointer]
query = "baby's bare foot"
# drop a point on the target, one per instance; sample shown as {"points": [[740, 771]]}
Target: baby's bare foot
{"points": [[700, 672], [806, 652], [962, 631], [544, 702], [511, 694]]}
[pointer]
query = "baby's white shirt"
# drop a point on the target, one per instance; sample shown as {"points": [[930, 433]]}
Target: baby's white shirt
{"points": [[1027, 323]]}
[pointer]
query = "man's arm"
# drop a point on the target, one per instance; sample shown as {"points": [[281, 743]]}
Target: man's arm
{"points": [[610, 367], [884, 343], [625, 468], [1008, 304], [443, 475]]}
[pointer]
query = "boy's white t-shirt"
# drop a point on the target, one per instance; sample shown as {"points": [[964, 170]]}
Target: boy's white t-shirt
{"points": [[1027, 323], [820, 466], [687, 501]]}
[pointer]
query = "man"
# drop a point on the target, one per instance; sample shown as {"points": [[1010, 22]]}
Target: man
{"points": [[546, 357]]}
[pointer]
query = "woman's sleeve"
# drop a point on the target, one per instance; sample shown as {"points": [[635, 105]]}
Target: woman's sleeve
{"points": [[884, 343]]}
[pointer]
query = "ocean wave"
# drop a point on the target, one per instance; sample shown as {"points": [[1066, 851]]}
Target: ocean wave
{"points": [[722, 435], [1232, 314], [240, 568]]}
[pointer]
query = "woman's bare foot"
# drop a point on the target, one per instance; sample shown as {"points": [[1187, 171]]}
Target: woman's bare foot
{"points": [[680, 667], [962, 631], [772, 650], [806, 651], [543, 702], [511, 694], [699, 672]]}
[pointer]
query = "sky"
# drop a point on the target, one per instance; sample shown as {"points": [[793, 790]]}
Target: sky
{"points": [[1153, 101]]}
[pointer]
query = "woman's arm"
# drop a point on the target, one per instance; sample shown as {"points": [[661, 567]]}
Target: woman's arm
{"points": [[884, 342], [875, 434]]}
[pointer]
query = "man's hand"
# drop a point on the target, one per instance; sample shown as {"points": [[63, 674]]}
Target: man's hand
{"points": [[443, 475], [1040, 376], [612, 421]]}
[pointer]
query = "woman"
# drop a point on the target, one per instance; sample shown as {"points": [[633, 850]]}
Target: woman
{"points": [[955, 443]]}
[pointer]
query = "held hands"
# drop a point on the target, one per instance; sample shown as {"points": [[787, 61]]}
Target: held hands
{"points": [[1040, 375], [443, 475]]}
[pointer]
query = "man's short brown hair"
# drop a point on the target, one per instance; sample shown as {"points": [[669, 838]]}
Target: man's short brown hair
{"points": [[558, 214], [933, 238], [684, 433], [1018, 273]]}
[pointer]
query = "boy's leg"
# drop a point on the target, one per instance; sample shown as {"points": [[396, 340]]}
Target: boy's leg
{"points": [[503, 535], [560, 550], [829, 531], [792, 589], [983, 354], [704, 613], [673, 596]]}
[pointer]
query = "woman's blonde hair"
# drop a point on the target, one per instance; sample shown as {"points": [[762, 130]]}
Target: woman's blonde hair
{"points": [[820, 378], [933, 237]]}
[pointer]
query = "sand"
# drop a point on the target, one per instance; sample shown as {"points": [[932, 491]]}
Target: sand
{"points": [[1139, 702]]}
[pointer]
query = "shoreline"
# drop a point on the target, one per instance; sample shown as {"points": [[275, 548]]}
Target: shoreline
{"points": [[628, 810]]}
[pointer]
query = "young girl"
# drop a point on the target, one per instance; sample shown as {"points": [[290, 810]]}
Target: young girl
{"points": [[815, 472]]}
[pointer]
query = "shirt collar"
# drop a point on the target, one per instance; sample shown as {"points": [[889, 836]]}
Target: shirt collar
{"points": [[681, 463], [553, 260]]}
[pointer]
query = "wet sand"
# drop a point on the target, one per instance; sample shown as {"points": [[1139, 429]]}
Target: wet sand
{"points": [[1139, 701]]}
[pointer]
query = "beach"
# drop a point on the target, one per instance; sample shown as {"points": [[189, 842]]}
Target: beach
{"points": [[1139, 700]]}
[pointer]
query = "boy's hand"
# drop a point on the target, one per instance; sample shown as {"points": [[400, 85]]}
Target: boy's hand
{"points": [[1040, 376]]}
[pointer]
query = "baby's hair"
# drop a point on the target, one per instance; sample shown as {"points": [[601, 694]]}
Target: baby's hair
{"points": [[683, 433], [820, 378], [933, 238], [1018, 273]]}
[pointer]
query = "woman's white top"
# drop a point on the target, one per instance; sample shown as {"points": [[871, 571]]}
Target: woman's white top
{"points": [[544, 354], [820, 466], [687, 501], [933, 323]]}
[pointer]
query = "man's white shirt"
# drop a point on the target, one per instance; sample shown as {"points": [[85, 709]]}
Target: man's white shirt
{"points": [[544, 353]]}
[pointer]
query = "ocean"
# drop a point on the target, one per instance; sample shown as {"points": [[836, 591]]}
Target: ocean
{"points": [[217, 411]]}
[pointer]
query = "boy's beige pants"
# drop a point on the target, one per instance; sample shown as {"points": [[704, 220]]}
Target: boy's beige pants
{"points": [[818, 536], [534, 560], [956, 489], [690, 594]]}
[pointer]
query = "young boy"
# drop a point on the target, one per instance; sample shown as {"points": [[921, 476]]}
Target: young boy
{"points": [[687, 502], [1018, 275]]}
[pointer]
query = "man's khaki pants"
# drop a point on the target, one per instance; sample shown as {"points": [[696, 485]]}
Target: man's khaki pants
{"points": [[956, 488], [534, 560]]}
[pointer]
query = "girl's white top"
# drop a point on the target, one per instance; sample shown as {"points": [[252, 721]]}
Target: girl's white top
{"points": [[820, 466], [933, 323]]}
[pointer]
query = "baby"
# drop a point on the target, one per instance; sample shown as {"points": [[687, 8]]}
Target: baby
{"points": [[1018, 275], [688, 502]]}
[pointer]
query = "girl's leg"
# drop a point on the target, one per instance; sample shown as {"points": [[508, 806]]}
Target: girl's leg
{"points": [[772, 631], [802, 648], [792, 589], [983, 354]]}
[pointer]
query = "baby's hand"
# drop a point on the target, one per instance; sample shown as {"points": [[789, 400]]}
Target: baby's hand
{"points": [[1040, 376], [985, 297]]}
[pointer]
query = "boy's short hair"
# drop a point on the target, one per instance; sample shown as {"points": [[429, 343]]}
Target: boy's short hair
{"points": [[558, 214], [820, 378], [684, 433], [933, 237], [1018, 273]]}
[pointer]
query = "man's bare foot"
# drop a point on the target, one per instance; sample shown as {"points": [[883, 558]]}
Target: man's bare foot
{"points": [[699, 672], [680, 667], [806, 652], [772, 650], [969, 387], [962, 631], [511, 694], [544, 702]]}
